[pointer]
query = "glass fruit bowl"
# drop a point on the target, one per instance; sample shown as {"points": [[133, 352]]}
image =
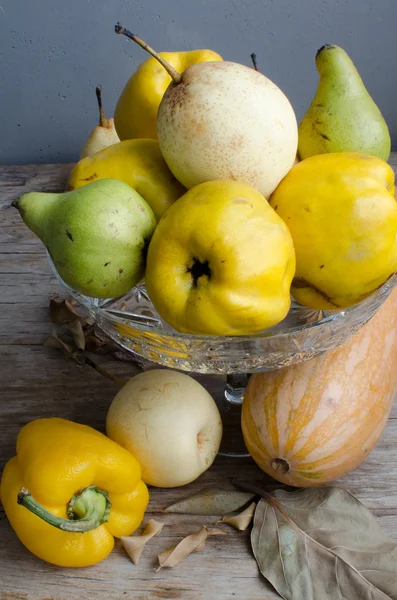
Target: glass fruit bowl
{"points": [[133, 323]]}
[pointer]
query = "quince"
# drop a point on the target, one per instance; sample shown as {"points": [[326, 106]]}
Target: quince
{"points": [[342, 215], [221, 262]]}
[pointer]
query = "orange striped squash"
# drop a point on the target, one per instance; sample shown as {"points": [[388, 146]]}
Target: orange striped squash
{"points": [[316, 421]]}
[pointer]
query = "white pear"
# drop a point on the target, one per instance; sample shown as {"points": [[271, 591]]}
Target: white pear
{"points": [[223, 120], [227, 121], [103, 135], [170, 423]]}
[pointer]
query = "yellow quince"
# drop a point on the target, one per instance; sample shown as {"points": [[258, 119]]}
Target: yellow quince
{"points": [[221, 262], [342, 215]]}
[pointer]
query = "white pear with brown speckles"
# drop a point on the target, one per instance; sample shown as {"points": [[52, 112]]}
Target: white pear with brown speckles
{"points": [[227, 121]]}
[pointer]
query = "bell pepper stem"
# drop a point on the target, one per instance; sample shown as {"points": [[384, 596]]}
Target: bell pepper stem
{"points": [[87, 509], [173, 73]]}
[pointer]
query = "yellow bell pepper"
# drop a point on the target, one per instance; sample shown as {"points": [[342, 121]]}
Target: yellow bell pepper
{"points": [[136, 110], [70, 490], [342, 215]]}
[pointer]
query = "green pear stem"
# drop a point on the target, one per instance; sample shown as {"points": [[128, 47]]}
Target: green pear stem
{"points": [[253, 58], [102, 118], [173, 73]]}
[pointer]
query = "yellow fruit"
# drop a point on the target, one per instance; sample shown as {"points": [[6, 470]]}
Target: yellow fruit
{"points": [[136, 110], [136, 162], [221, 262], [342, 215], [54, 492], [103, 135]]}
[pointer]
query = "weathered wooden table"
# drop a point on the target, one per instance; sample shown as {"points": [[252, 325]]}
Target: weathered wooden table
{"points": [[38, 382]]}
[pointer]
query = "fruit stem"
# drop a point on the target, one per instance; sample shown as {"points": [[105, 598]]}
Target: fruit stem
{"points": [[173, 73], [103, 372], [87, 509], [102, 118], [253, 58]]}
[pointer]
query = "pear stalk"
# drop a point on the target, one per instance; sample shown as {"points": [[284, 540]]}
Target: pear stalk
{"points": [[253, 58], [173, 73], [103, 122]]}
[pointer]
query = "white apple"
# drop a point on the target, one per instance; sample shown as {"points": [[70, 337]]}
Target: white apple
{"points": [[170, 423]]}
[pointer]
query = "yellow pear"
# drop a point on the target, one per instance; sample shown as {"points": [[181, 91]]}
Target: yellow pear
{"points": [[136, 110], [103, 135], [136, 162]]}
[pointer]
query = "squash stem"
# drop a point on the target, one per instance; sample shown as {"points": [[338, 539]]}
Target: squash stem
{"points": [[87, 509]]}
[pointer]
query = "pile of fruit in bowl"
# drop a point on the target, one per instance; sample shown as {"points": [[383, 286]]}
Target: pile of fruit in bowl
{"points": [[217, 200]]}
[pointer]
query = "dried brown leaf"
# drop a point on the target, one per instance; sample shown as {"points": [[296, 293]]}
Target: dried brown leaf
{"points": [[97, 346], [62, 312], [134, 545], [192, 543], [323, 543], [93, 344], [211, 501], [76, 329], [55, 342], [243, 519]]}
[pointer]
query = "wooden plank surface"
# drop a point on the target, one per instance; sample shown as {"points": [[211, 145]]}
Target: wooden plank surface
{"points": [[37, 382]]}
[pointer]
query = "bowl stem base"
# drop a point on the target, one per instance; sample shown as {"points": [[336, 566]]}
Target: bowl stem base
{"points": [[230, 408]]}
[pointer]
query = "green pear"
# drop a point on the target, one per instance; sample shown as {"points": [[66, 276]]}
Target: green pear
{"points": [[342, 116], [97, 235]]}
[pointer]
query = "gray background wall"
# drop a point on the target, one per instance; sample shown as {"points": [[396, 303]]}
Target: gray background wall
{"points": [[54, 52]]}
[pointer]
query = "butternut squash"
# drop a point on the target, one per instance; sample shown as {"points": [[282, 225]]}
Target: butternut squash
{"points": [[316, 421]]}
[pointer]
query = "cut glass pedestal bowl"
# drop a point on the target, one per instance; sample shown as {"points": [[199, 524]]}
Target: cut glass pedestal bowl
{"points": [[134, 324]]}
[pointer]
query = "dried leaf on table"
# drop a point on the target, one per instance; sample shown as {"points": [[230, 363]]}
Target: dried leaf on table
{"points": [[211, 501], [97, 346], [55, 342], [76, 329], [243, 519], [62, 312], [322, 543], [192, 543], [134, 545], [93, 344]]}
